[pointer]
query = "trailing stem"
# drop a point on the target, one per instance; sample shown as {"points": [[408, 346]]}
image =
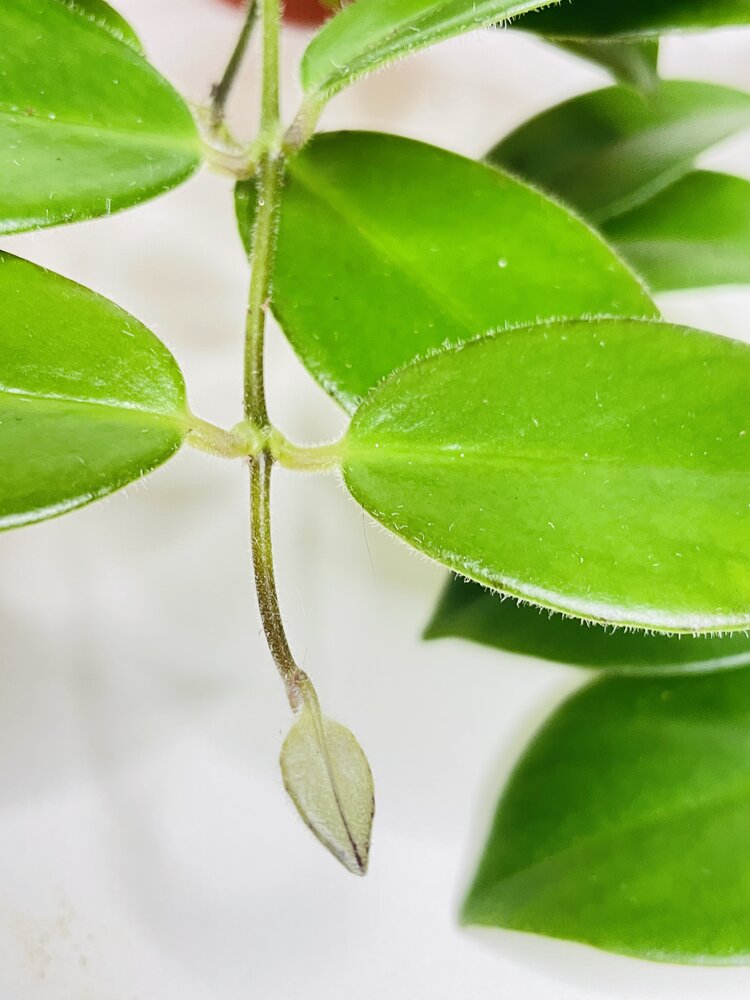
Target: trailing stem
{"points": [[295, 680], [269, 182], [325, 770]]}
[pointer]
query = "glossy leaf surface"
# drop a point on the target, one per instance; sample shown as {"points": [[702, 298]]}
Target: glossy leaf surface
{"points": [[635, 63], [369, 33], [693, 234], [108, 18], [625, 823], [89, 398], [615, 148], [388, 248], [87, 126], [328, 778], [470, 611], [594, 18], [600, 468]]}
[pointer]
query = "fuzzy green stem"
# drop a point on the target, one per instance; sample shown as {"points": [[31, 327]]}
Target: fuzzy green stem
{"points": [[323, 458], [269, 178], [269, 113], [269, 183], [246, 440], [295, 680], [303, 127], [241, 441]]}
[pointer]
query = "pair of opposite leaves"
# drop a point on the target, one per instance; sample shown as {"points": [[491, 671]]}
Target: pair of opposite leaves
{"points": [[558, 432], [70, 400], [470, 224]]}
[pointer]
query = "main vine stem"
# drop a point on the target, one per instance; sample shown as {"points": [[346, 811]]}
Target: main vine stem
{"points": [[269, 180]]}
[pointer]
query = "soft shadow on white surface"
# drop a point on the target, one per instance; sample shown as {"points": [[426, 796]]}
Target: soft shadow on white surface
{"points": [[146, 846]]}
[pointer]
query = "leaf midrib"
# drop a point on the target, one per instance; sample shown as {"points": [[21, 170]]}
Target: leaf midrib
{"points": [[460, 458], [111, 132], [378, 240], [677, 811], [100, 409]]}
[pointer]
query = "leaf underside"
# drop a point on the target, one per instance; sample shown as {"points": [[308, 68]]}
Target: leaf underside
{"points": [[371, 33], [585, 19], [469, 611]]}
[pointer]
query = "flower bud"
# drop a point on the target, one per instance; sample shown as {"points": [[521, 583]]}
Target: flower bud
{"points": [[329, 780]]}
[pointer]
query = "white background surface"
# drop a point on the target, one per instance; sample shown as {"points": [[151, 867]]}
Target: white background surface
{"points": [[147, 851]]}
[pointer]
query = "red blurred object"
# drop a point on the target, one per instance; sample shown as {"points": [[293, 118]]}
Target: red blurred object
{"points": [[310, 13]]}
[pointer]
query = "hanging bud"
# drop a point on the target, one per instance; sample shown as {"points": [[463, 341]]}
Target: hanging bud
{"points": [[329, 780]]}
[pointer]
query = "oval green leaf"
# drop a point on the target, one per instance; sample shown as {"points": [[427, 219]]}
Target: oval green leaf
{"points": [[615, 148], [107, 17], [470, 611], [89, 398], [693, 234], [370, 33], [597, 468], [371, 274], [87, 126], [584, 19], [625, 823]]}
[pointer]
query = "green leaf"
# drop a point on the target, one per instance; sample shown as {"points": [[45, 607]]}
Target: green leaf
{"points": [[370, 33], [693, 234], [87, 126], [625, 823], [89, 398], [635, 63], [370, 274], [469, 611], [329, 780], [599, 468], [584, 19], [106, 17], [615, 148]]}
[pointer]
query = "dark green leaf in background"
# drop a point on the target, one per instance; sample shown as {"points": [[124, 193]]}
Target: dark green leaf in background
{"points": [[369, 33], [693, 234], [89, 398], [87, 126], [608, 151], [470, 611], [635, 63], [625, 824], [584, 19], [388, 248], [600, 468]]}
